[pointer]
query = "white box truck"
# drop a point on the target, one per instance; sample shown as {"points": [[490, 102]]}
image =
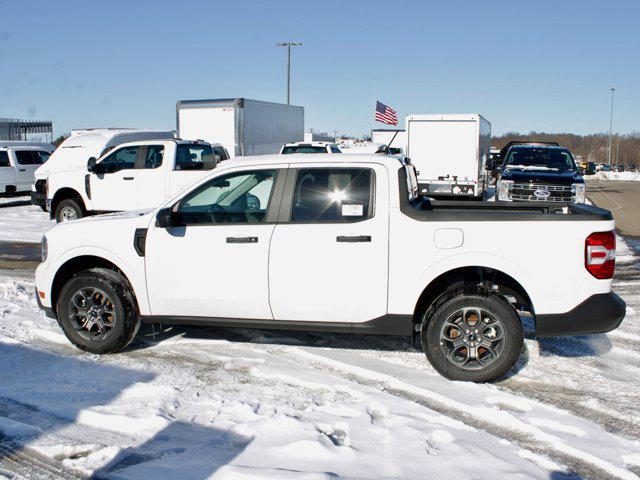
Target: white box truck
{"points": [[450, 153], [243, 126]]}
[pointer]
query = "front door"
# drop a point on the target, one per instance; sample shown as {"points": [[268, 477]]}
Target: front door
{"points": [[216, 264], [329, 257], [116, 188], [27, 161]]}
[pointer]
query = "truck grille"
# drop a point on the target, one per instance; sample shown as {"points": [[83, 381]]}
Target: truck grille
{"points": [[41, 186], [557, 193]]}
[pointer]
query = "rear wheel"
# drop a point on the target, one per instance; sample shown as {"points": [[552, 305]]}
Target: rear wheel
{"points": [[68, 210], [97, 311], [472, 336]]}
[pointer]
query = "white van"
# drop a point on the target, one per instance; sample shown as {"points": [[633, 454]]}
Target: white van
{"points": [[73, 154], [18, 163]]}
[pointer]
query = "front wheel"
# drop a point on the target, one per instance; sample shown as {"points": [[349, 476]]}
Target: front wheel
{"points": [[98, 312], [68, 210], [472, 337]]}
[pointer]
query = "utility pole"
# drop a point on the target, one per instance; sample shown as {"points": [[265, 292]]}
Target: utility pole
{"points": [[288, 45], [611, 124]]}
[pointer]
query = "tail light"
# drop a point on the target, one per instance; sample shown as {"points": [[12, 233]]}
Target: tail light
{"points": [[600, 254]]}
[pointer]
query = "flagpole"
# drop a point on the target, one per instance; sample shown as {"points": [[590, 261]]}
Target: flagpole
{"points": [[374, 101]]}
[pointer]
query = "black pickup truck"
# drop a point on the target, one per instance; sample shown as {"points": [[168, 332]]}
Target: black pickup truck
{"points": [[537, 172]]}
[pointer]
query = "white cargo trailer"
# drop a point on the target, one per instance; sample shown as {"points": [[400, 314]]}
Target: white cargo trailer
{"points": [[243, 126], [450, 153]]}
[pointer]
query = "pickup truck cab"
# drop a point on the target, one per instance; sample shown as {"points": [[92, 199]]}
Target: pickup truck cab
{"points": [[309, 147], [540, 173], [130, 176], [18, 163], [313, 242]]}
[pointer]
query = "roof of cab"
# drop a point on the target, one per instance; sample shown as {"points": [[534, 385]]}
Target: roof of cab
{"points": [[303, 159], [103, 137], [25, 143], [314, 143]]}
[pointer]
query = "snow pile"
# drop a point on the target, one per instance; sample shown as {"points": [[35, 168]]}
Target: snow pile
{"points": [[627, 176]]}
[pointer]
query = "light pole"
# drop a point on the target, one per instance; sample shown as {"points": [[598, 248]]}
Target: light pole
{"points": [[611, 124], [288, 45]]}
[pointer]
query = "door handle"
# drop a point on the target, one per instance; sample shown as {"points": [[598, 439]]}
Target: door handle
{"points": [[127, 178], [242, 239], [23, 169], [354, 239]]}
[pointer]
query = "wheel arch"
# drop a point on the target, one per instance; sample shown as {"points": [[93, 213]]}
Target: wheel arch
{"points": [[81, 263], [67, 193], [486, 278]]}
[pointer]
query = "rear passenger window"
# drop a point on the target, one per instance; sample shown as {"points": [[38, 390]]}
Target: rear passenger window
{"points": [[31, 157], [195, 157], [333, 195], [153, 156], [4, 159]]}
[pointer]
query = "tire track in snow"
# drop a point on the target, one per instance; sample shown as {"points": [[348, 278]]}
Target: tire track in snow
{"points": [[523, 434]]}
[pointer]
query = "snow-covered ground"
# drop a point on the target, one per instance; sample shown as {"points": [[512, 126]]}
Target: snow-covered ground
{"points": [[628, 176], [239, 404], [22, 222]]}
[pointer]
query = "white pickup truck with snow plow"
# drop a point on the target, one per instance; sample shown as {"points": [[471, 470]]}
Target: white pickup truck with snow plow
{"points": [[311, 242]]}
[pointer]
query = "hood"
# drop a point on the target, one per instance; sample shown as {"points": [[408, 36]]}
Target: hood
{"points": [[136, 218], [541, 176]]}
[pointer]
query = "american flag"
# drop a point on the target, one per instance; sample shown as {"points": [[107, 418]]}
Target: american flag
{"points": [[386, 114]]}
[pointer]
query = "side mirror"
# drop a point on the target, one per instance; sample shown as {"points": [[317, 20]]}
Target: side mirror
{"points": [[167, 218], [91, 164]]}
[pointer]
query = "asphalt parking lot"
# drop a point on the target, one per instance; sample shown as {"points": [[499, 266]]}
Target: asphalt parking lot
{"points": [[622, 199]]}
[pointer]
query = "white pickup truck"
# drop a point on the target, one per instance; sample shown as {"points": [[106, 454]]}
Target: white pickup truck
{"points": [[133, 175], [18, 162], [313, 242]]}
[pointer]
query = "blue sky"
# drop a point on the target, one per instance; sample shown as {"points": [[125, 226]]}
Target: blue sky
{"points": [[544, 65]]}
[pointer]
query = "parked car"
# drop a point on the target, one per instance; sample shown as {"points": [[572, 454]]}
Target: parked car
{"points": [[309, 147], [620, 168], [631, 167], [590, 168], [540, 173], [605, 168], [73, 153], [132, 176], [18, 163], [319, 243]]}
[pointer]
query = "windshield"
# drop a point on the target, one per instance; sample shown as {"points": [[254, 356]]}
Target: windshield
{"points": [[303, 149], [540, 159]]}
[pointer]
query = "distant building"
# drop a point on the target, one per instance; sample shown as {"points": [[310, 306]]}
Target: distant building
{"points": [[34, 130]]}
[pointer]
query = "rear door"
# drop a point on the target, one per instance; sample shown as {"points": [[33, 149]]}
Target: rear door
{"points": [[329, 251], [27, 161], [152, 164], [192, 162], [441, 148]]}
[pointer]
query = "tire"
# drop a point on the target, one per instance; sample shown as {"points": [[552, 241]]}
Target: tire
{"points": [[68, 209], [102, 332], [478, 351]]}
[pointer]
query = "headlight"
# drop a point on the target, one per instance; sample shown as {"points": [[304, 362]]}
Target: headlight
{"points": [[579, 191], [44, 248], [504, 189]]}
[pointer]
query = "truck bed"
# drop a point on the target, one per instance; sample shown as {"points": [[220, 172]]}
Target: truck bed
{"points": [[428, 209]]}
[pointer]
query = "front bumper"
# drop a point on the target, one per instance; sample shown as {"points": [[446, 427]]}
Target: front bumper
{"points": [[599, 313], [38, 199], [49, 312]]}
